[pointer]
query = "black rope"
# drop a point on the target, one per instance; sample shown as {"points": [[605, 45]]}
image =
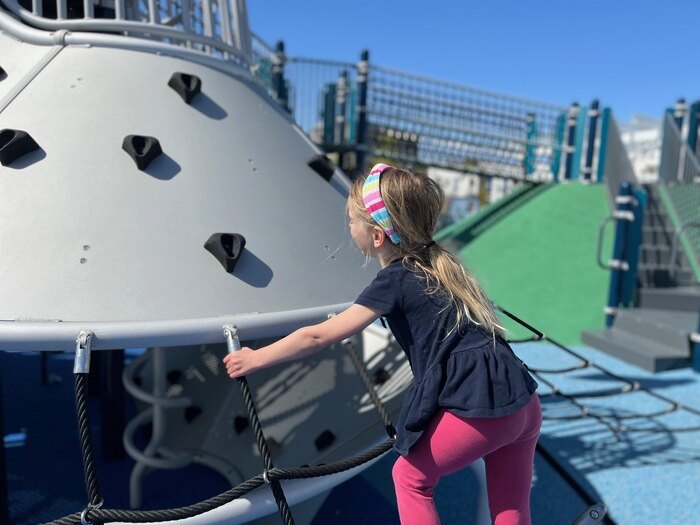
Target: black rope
{"points": [[93, 489], [628, 386], [277, 491], [274, 474], [364, 376]]}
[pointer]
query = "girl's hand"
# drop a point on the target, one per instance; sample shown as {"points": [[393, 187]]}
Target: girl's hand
{"points": [[241, 363]]}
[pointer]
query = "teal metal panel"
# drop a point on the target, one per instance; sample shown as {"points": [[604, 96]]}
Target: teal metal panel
{"points": [[631, 249]]}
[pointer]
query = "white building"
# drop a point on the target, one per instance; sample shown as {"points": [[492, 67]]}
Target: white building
{"points": [[461, 192], [642, 138]]}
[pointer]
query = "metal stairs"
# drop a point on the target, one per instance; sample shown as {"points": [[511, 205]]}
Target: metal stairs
{"points": [[655, 333], [655, 251]]}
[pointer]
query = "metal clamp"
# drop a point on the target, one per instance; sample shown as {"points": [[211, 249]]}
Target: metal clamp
{"points": [[624, 215], [83, 515], [81, 364], [266, 479], [233, 343], [617, 264]]}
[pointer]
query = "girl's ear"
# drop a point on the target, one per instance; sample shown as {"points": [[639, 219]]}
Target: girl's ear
{"points": [[378, 236]]}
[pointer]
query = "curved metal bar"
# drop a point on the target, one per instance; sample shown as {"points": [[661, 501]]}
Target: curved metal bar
{"points": [[599, 252], [60, 336], [63, 37], [130, 26], [674, 246]]}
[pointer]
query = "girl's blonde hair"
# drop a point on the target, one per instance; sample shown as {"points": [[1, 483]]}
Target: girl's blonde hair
{"points": [[415, 202]]}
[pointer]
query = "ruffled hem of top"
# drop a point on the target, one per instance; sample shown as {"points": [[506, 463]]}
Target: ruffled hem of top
{"points": [[473, 382]]}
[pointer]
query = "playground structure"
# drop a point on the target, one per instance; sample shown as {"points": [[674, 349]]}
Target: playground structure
{"points": [[356, 113]]}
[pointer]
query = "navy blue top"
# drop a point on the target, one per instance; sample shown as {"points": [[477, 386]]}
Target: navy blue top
{"points": [[462, 371]]}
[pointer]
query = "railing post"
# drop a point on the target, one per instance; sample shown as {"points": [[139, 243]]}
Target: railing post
{"points": [[695, 349], [278, 83], [530, 147], [693, 124], [593, 114], [631, 248], [603, 144], [558, 146], [341, 98], [622, 209], [362, 78], [679, 113], [571, 123], [329, 116]]}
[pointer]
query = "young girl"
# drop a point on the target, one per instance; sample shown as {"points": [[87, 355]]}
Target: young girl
{"points": [[471, 396]]}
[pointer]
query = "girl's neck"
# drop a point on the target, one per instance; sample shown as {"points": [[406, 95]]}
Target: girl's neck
{"points": [[386, 256]]}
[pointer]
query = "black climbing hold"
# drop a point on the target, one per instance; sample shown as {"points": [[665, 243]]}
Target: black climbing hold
{"points": [[191, 413], [15, 143], [325, 439], [3, 73], [187, 86], [174, 376], [323, 166], [380, 377], [227, 248], [240, 423], [142, 149]]}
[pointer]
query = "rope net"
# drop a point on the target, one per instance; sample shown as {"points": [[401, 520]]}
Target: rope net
{"points": [[575, 409]]}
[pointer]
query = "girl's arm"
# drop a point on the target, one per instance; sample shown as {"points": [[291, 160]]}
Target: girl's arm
{"points": [[304, 341]]}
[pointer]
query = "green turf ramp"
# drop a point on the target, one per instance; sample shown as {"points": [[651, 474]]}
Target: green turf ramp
{"points": [[538, 259]]}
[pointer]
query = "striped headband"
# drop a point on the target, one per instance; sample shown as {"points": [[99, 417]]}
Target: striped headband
{"points": [[374, 204]]}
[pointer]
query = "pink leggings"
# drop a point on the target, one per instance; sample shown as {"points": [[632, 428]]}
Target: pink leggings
{"points": [[450, 443]]}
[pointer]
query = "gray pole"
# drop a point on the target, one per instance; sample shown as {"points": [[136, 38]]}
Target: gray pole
{"points": [[362, 74]]}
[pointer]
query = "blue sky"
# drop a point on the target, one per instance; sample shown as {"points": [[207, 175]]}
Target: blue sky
{"points": [[635, 56]]}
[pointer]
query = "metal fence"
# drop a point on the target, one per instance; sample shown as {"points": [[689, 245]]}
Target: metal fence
{"points": [[217, 28], [680, 173], [419, 121]]}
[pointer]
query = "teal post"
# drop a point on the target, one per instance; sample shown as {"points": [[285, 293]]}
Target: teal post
{"points": [[362, 79], [631, 249], [530, 145], [278, 83], [603, 148], [558, 145], [571, 125], [329, 116], [622, 210], [696, 348], [679, 112], [693, 123]]}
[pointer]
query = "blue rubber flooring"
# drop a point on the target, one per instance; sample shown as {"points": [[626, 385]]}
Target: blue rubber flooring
{"points": [[647, 476]]}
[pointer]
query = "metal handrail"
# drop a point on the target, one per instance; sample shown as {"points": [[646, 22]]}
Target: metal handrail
{"points": [[674, 246], [612, 264], [132, 27]]}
